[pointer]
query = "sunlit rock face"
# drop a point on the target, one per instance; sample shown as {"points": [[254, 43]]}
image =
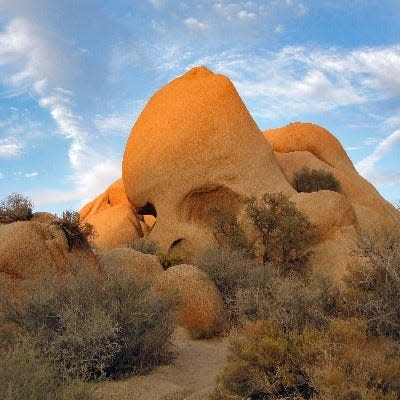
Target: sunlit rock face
{"points": [[30, 249], [113, 219], [195, 146], [340, 217]]}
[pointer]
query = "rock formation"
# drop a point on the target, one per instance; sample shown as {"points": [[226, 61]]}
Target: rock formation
{"points": [[340, 217], [113, 219], [195, 146], [201, 310], [195, 149], [30, 248], [145, 267]]}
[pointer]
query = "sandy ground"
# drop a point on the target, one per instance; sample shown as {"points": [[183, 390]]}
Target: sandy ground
{"points": [[190, 376]]}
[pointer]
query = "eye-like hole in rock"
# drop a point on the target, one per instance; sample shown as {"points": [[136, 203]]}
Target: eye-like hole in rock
{"points": [[147, 209], [207, 204]]}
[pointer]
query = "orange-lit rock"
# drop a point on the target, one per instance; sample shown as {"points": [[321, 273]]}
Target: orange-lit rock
{"points": [[29, 249], [145, 267], [112, 217], [201, 310], [195, 146]]}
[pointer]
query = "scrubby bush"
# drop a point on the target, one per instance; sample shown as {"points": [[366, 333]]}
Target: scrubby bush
{"points": [[341, 363], [15, 207], [229, 233], [144, 245], [76, 231], [25, 374], [90, 326], [251, 291], [307, 180], [295, 303], [286, 232], [373, 287], [168, 260], [230, 271]]}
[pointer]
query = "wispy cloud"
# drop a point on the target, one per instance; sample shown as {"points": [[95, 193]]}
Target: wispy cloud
{"points": [[195, 24], [25, 48], [10, 148], [367, 165], [157, 3]]}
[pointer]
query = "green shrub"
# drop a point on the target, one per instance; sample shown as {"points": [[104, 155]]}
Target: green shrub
{"points": [[373, 288], [76, 232], [144, 245], [15, 207], [307, 180], [286, 232], [24, 374], [90, 327], [341, 362], [169, 260]]}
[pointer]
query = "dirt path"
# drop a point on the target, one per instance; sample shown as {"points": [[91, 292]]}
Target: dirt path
{"points": [[190, 377]]}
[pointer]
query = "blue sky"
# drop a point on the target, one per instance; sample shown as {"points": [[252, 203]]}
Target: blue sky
{"points": [[75, 74]]}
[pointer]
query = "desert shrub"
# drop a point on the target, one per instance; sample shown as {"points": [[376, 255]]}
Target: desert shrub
{"points": [[230, 271], [262, 364], [91, 327], [373, 287], [307, 180], [15, 207], [76, 231], [286, 232], [168, 260], [24, 374], [295, 303], [251, 291], [144, 245], [341, 362], [229, 233]]}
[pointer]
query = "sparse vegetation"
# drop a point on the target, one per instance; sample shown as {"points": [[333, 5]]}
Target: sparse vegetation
{"points": [[341, 362], [76, 231], [285, 231], [373, 289], [307, 180], [144, 245], [14, 208], [90, 326], [25, 374], [168, 260]]}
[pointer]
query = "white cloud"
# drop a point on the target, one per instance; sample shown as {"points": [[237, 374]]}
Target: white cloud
{"points": [[193, 23], [31, 174], [24, 48], [10, 148], [246, 15], [279, 29], [366, 166], [1, 175], [157, 3]]}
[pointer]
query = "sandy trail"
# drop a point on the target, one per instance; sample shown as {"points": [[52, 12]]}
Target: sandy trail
{"points": [[190, 376]]}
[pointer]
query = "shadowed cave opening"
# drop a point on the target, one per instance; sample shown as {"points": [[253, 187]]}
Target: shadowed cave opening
{"points": [[147, 209]]}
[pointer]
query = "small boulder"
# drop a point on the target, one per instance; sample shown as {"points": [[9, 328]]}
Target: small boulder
{"points": [[145, 267], [201, 310]]}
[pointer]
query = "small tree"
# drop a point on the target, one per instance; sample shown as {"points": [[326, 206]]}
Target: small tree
{"points": [[286, 232], [308, 181], [76, 231], [15, 207]]}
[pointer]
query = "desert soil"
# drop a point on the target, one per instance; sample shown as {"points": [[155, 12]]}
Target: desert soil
{"points": [[190, 376]]}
